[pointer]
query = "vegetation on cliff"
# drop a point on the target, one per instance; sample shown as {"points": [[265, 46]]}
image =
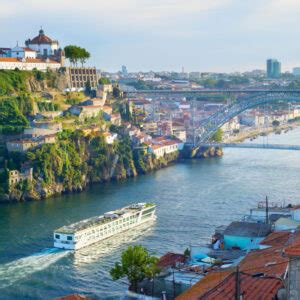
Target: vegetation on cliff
{"points": [[76, 160]]}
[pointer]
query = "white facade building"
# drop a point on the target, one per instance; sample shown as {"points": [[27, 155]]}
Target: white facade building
{"points": [[11, 63], [40, 53], [21, 52], [43, 45]]}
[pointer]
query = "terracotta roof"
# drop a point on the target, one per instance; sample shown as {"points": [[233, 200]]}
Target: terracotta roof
{"points": [[41, 39], [294, 248], [170, 259], [277, 238], [250, 287], [28, 60], [204, 285], [269, 261]]}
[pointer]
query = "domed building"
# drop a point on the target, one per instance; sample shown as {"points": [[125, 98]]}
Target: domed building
{"points": [[41, 53], [43, 45]]}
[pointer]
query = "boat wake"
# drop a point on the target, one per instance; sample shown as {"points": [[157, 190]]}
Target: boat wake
{"points": [[18, 269]]}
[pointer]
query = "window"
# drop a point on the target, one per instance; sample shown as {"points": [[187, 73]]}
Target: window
{"points": [[57, 236], [69, 238]]}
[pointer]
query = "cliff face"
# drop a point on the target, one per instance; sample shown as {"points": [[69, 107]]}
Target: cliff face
{"points": [[76, 161], [53, 80], [202, 152]]}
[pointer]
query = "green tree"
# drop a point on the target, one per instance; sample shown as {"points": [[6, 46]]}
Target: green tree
{"points": [[74, 54], [84, 55], [217, 137], [136, 264], [104, 80]]}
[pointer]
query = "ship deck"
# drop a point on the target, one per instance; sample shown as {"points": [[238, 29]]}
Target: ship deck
{"points": [[99, 220]]}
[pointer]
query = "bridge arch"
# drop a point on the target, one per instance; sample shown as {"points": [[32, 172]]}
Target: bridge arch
{"points": [[210, 125]]}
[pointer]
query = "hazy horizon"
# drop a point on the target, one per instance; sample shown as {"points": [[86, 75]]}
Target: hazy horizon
{"points": [[199, 35]]}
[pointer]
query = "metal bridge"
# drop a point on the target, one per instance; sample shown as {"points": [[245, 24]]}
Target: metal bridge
{"points": [[210, 125], [241, 100], [196, 92], [253, 146]]}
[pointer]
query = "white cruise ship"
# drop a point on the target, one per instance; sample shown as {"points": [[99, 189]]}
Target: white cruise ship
{"points": [[87, 232]]}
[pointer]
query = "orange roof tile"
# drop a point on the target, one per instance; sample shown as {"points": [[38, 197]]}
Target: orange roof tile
{"points": [[277, 238], [170, 259], [204, 285], [250, 288], [270, 261], [28, 60], [294, 248]]}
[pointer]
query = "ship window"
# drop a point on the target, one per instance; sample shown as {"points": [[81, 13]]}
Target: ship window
{"points": [[69, 238], [57, 236]]}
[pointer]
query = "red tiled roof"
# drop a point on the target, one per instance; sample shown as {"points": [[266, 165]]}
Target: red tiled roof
{"points": [[269, 261], [27, 60], [170, 259], [204, 285], [41, 39], [294, 248], [250, 288], [277, 238]]}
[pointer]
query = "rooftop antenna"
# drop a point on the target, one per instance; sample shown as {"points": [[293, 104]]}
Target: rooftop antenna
{"points": [[267, 210]]}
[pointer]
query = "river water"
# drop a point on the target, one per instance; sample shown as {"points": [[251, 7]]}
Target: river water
{"points": [[192, 197]]}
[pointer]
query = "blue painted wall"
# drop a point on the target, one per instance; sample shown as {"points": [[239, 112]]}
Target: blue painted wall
{"points": [[245, 243]]}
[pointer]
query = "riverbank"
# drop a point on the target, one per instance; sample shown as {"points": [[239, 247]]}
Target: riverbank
{"points": [[254, 133], [142, 164]]}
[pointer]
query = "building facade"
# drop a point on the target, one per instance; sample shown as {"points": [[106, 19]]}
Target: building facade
{"points": [[273, 68], [79, 77], [40, 53]]}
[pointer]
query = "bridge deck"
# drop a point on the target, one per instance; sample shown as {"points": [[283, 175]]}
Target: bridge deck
{"points": [[253, 146]]}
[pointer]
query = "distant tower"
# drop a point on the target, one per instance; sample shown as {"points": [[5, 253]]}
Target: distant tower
{"points": [[273, 68], [124, 70]]}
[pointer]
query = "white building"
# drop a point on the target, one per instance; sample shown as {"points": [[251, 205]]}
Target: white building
{"points": [[12, 63], [43, 45], [23, 52], [40, 53]]}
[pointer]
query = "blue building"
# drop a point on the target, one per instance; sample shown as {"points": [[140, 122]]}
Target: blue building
{"points": [[273, 68], [245, 235]]}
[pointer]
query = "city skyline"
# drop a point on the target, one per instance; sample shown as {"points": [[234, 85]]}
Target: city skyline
{"points": [[219, 36]]}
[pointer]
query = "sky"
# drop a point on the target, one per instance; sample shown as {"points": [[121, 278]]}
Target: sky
{"points": [[199, 35]]}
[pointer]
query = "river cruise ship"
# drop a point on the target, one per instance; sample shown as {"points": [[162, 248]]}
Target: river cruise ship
{"points": [[90, 231]]}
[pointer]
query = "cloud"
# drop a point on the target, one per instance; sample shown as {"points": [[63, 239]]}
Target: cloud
{"points": [[112, 12], [271, 15]]}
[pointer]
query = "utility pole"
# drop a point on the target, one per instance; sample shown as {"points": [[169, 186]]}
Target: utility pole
{"points": [[267, 210], [193, 122], [237, 284]]}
